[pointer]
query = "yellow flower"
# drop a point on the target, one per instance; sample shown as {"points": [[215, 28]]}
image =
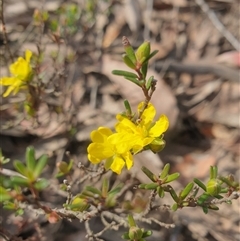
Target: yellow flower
{"points": [[21, 73], [114, 148], [145, 130]]}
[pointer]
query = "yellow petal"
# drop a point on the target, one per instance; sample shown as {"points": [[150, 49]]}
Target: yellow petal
{"points": [[160, 126], [8, 91], [21, 69], [128, 159], [93, 160], [117, 165], [148, 114], [100, 151], [28, 55], [100, 135], [7, 81]]}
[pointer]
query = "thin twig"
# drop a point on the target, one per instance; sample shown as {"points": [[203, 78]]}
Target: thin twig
{"points": [[5, 36], [218, 25]]}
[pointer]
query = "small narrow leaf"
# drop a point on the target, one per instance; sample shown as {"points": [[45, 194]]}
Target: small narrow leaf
{"points": [[21, 168], [213, 172], [128, 108], [129, 49], [133, 80], [186, 190], [131, 221], [149, 83], [160, 192], [41, 184], [30, 159], [205, 210], [124, 73], [41, 163], [172, 177], [4, 195], [173, 194], [15, 180], [116, 189], [144, 70], [200, 184], [165, 171], [105, 187], [151, 186], [128, 61], [174, 207], [147, 233], [151, 55], [93, 190], [149, 174]]}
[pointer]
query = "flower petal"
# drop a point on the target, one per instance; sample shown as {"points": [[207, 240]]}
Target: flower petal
{"points": [[8, 91], [28, 55], [148, 114], [100, 151], [117, 165], [128, 159], [160, 126], [93, 159], [7, 81]]}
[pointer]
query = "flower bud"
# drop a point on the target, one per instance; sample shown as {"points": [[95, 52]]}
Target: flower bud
{"points": [[135, 233], [157, 145], [79, 204], [143, 52], [213, 187], [63, 167]]}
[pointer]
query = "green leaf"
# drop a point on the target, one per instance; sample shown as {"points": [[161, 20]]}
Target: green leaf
{"points": [[19, 212], [70, 165], [93, 190], [173, 194], [41, 163], [131, 221], [174, 207], [105, 187], [149, 82], [172, 177], [213, 207], [186, 190], [133, 80], [9, 206], [147, 233], [203, 198], [21, 168], [149, 174], [151, 55], [165, 171], [20, 181], [128, 61], [151, 186], [125, 236], [4, 194], [128, 108], [200, 184], [30, 159], [213, 172], [124, 73], [116, 189], [41, 184], [144, 70], [160, 191], [129, 49], [205, 210]]}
